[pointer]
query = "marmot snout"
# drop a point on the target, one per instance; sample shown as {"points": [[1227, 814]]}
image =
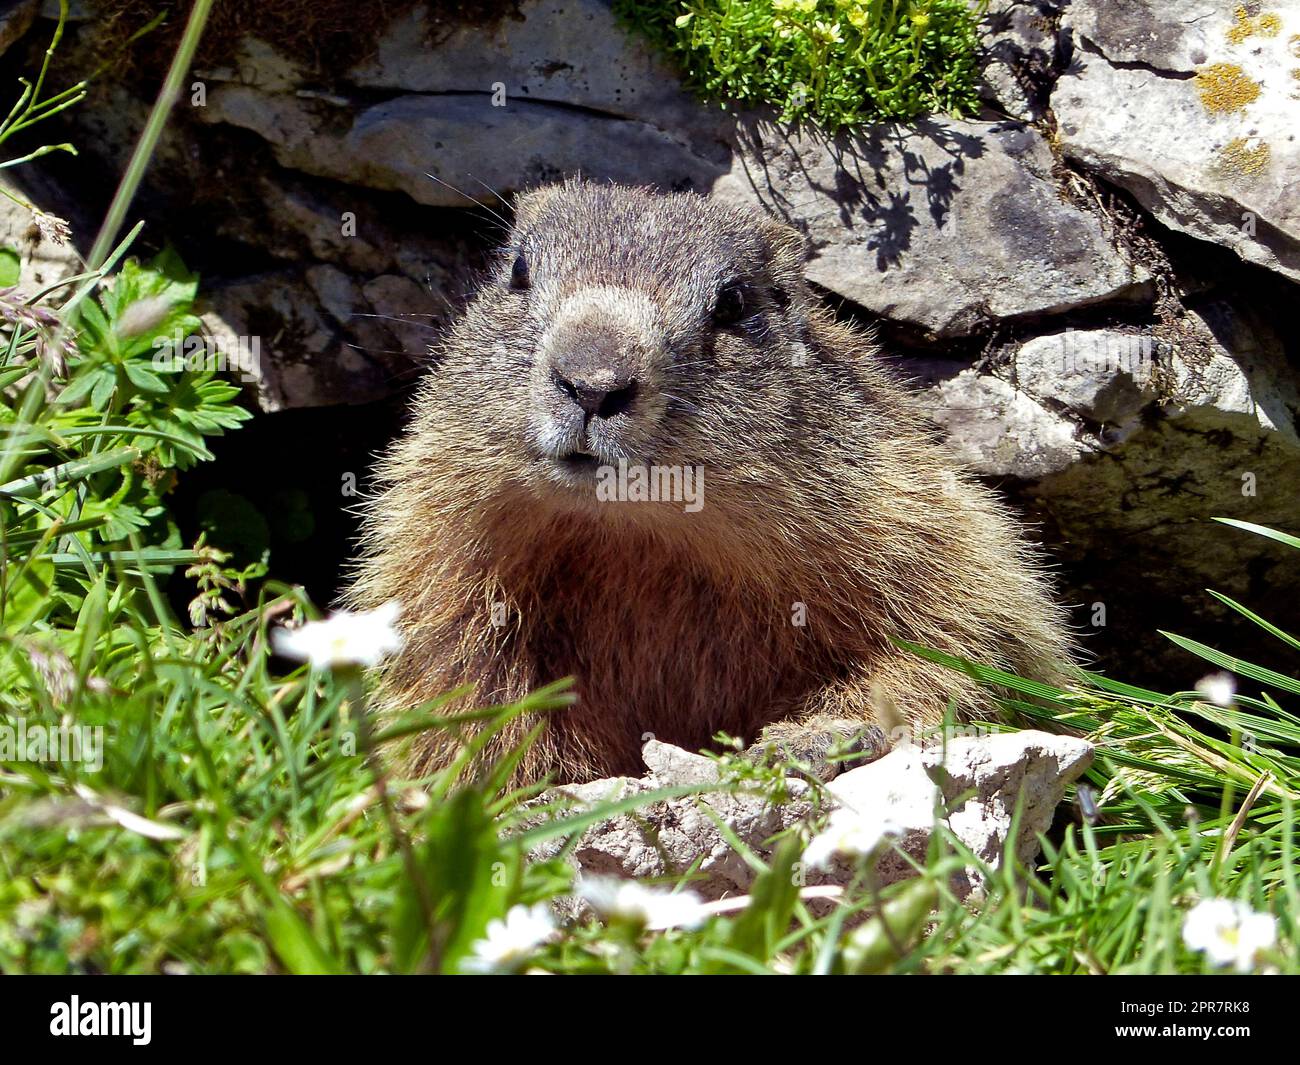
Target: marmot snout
{"points": [[674, 340]]}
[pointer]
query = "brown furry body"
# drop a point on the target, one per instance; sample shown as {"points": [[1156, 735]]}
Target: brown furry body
{"points": [[826, 499]]}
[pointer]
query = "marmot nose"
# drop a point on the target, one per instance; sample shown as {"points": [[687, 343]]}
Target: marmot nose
{"points": [[599, 393]]}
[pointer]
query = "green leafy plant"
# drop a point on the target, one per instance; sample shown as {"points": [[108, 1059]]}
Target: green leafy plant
{"points": [[839, 63], [96, 440]]}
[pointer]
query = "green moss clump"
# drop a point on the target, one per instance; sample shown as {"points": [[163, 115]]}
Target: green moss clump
{"points": [[838, 63]]}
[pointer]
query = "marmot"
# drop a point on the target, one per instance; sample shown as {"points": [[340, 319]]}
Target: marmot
{"points": [[624, 333]]}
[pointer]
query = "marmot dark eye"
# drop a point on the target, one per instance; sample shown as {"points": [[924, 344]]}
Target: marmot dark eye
{"points": [[730, 307], [519, 278]]}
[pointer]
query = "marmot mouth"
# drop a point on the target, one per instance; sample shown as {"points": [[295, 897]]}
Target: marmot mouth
{"points": [[581, 461]]}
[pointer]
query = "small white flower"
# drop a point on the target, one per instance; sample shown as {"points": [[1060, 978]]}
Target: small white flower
{"points": [[1228, 932], [343, 639], [629, 900], [510, 941], [848, 832], [827, 31], [1219, 688]]}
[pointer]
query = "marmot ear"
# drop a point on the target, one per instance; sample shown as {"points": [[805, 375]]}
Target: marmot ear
{"points": [[788, 247], [530, 205]]}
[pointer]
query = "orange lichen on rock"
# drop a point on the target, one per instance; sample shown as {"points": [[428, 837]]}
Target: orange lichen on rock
{"points": [[1248, 25], [1242, 157], [1224, 87]]}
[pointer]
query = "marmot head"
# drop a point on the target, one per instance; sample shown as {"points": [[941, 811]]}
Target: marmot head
{"points": [[624, 326]]}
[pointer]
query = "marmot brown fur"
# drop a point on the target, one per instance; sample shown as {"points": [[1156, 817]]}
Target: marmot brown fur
{"points": [[625, 334]]}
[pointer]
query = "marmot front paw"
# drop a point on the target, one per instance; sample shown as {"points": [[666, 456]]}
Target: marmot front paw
{"points": [[822, 748]]}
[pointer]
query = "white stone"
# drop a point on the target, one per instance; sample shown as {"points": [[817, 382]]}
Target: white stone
{"points": [[668, 837]]}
